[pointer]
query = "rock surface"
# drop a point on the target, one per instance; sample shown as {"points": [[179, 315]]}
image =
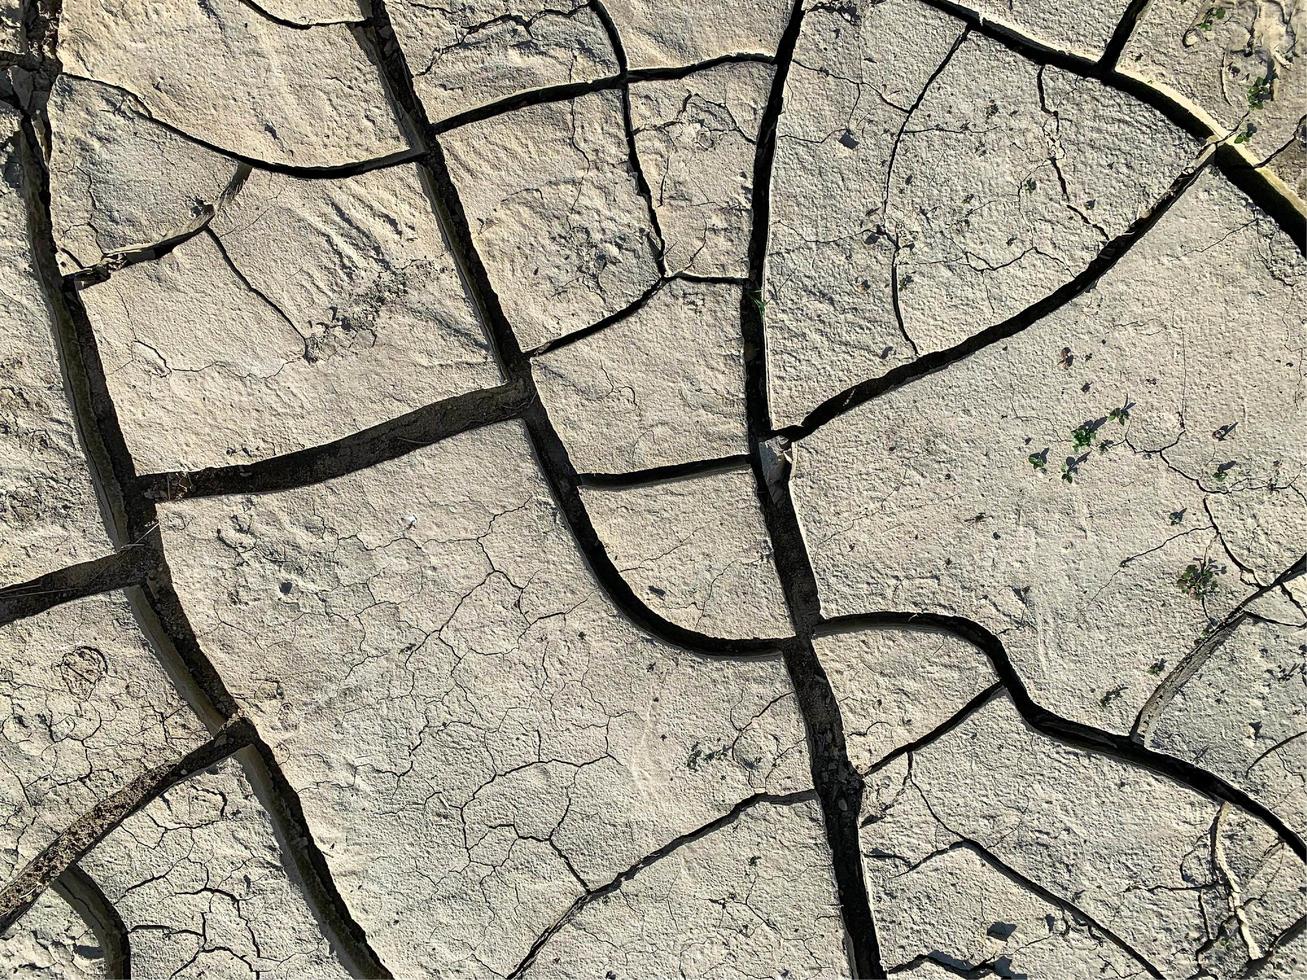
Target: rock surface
{"points": [[787, 488]]}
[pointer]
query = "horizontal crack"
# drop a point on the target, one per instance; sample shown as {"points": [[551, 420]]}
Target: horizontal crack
{"points": [[662, 474], [391, 439], [130, 566]]}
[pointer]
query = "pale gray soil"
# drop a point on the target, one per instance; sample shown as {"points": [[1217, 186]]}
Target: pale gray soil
{"points": [[629, 489]]}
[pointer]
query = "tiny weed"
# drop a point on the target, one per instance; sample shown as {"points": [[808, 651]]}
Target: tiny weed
{"points": [[1198, 580], [1259, 92], [1157, 667], [1211, 17], [759, 301], [1120, 415], [1039, 460], [1246, 135], [1082, 437]]}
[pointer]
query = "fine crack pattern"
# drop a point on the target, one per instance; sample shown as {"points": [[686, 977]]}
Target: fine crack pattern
{"points": [[539, 455]]}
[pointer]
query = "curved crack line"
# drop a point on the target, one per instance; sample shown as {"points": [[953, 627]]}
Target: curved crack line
{"points": [[1069, 732], [89, 901], [77, 839], [1229, 158], [675, 844], [1100, 265], [1190, 664], [551, 455], [131, 522]]}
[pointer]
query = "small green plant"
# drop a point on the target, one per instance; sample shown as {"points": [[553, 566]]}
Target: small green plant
{"points": [[1120, 415], [1211, 17], [759, 301], [1198, 580], [1069, 471], [1259, 92], [1082, 437], [1039, 460], [1178, 515], [1247, 134], [1156, 667]]}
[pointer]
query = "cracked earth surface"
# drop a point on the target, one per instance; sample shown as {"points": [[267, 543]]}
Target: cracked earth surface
{"points": [[778, 488]]}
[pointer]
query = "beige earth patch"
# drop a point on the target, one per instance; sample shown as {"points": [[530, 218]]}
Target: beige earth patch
{"points": [[782, 488]]}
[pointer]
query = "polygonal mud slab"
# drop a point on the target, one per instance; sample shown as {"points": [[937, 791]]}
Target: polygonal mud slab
{"points": [[502, 489]]}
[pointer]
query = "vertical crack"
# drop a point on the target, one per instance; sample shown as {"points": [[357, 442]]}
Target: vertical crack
{"points": [[837, 782]]}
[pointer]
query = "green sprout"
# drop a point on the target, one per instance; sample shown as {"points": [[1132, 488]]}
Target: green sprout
{"points": [[1247, 134], [1068, 472], [759, 301], [1198, 580], [1082, 437], [1211, 17], [1259, 92], [1120, 415], [1039, 460]]}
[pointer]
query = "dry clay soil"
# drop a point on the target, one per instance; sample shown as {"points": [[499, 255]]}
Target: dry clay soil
{"points": [[653, 488]]}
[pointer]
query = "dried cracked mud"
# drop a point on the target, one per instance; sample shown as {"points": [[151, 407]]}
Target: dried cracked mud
{"points": [[631, 489]]}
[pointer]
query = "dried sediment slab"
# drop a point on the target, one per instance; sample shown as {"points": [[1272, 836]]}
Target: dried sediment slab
{"points": [[696, 138], [1001, 193], [51, 940], [682, 32], [753, 898], [1056, 487], [204, 888], [476, 735], [957, 204], [466, 55], [829, 315], [956, 912], [895, 686], [224, 73], [555, 213], [86, 708], [696, 552], [1046, 813], [118, 179], [49, 516], [1235, 63], [1081, 28], [1240, 712], [664, 385], [267, 331]]}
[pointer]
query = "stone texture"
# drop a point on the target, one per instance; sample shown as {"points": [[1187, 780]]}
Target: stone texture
{"points": [[468, 54], [48, 512], [222, 72], [309, 288], [749, 912], [696, 138], [200, 882], [952, 494], [652, 489], [51, 940]]}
